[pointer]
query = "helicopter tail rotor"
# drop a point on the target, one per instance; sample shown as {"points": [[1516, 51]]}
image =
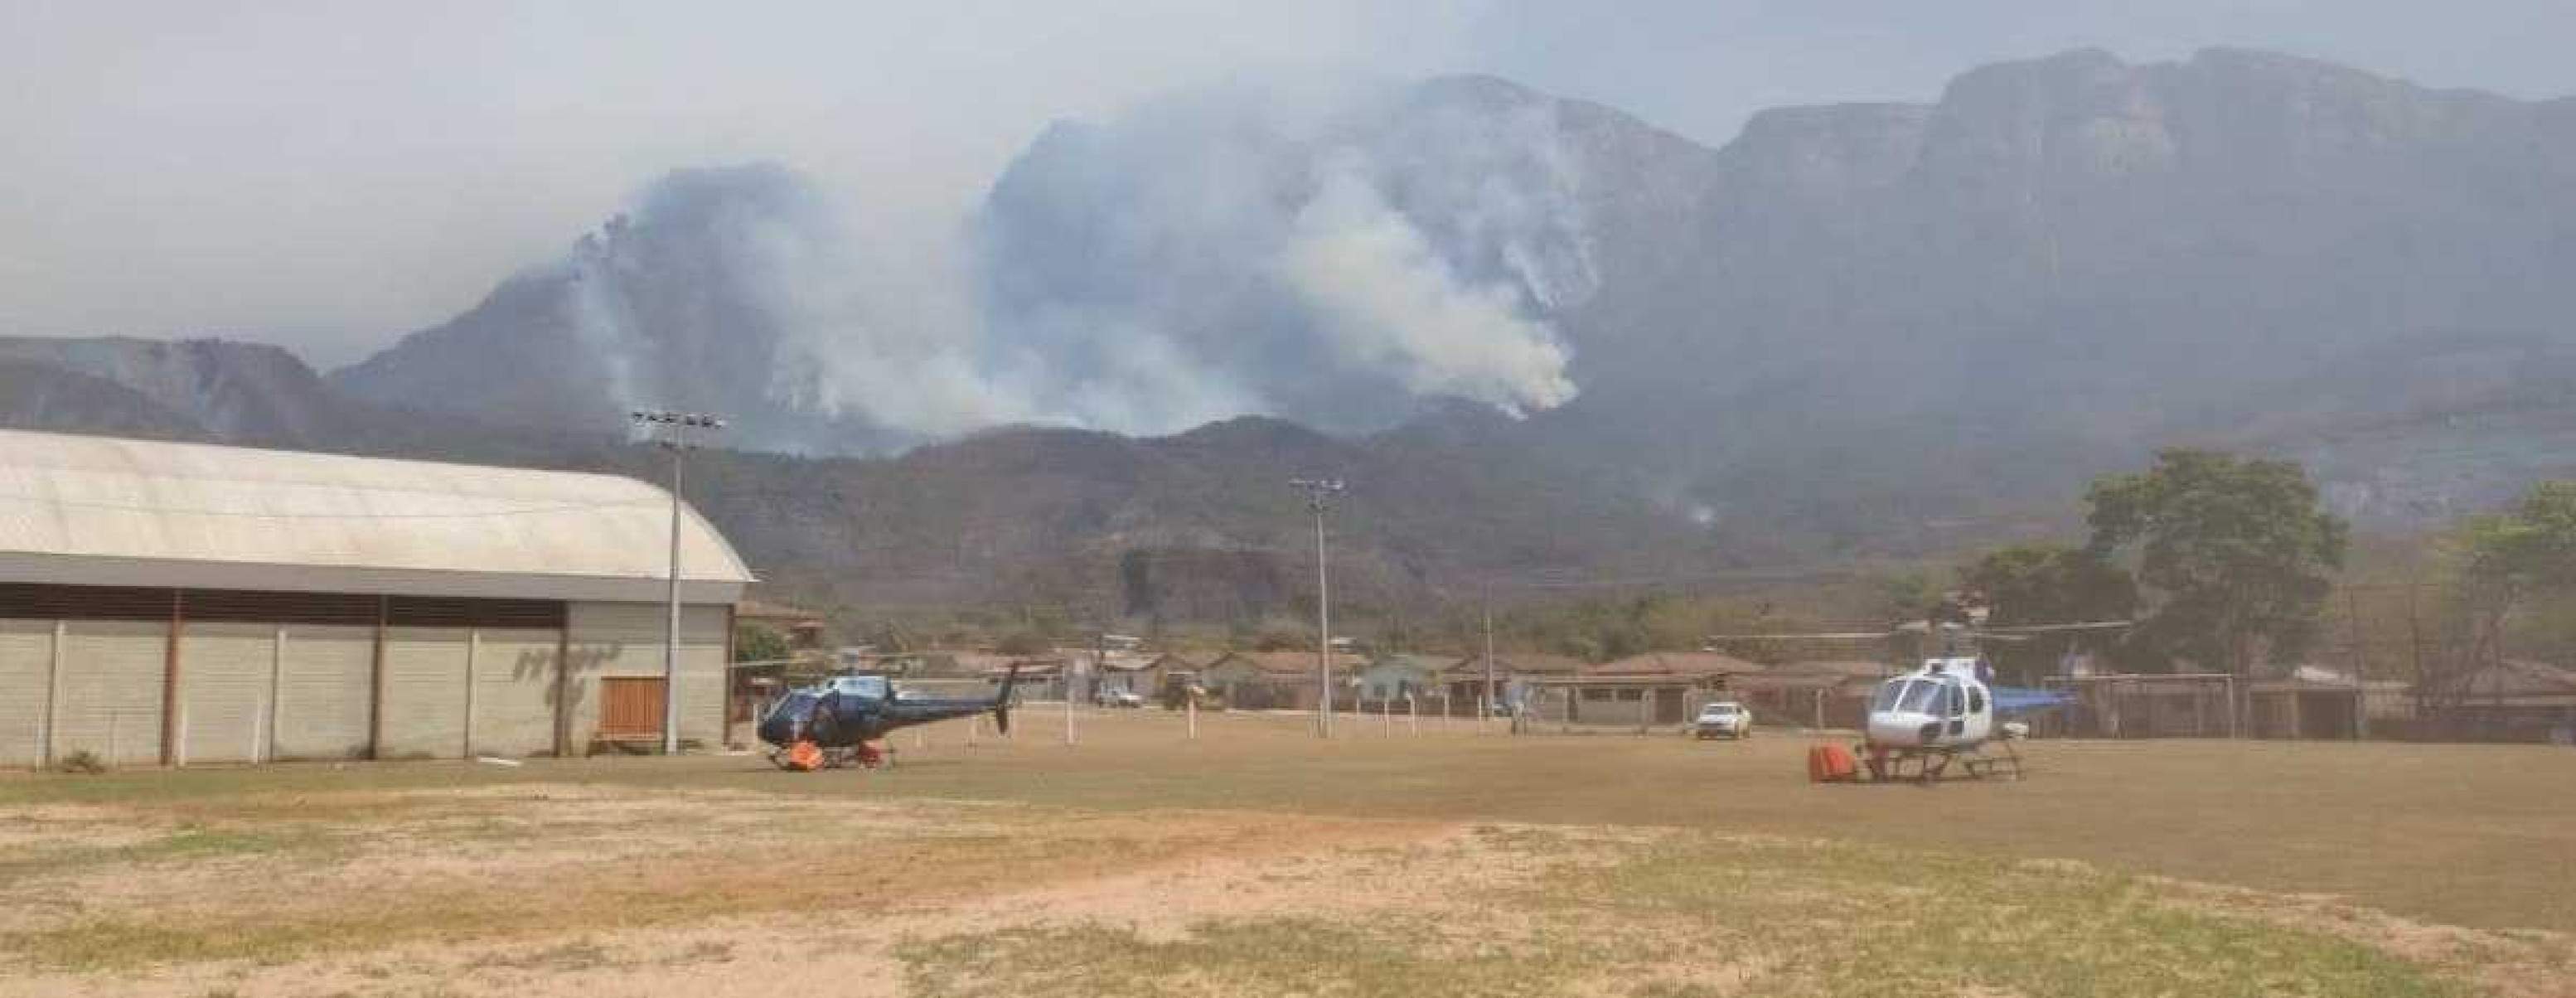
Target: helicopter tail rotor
{"points": [[1002, 700]]}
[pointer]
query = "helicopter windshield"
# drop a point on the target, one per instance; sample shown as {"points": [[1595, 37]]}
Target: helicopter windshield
{"points": [[869, 687], [1922, 696], [1887, 695]]}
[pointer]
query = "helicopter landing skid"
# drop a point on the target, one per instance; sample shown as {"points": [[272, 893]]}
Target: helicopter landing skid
{"points": [[806, 757], [1886, 765]]}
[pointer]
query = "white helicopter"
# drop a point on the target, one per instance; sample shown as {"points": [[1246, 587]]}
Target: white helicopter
{"points": [[1948, 710], [1941, 713]]}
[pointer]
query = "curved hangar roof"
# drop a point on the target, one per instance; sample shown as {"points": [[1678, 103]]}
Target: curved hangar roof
{"points": [[81, 510]]}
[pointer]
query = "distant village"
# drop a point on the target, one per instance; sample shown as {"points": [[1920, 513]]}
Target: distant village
{"points": [[1660, 690]]}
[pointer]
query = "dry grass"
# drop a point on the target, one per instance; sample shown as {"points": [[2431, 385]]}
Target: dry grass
{"points": [[1696, 914], [1260, 862]]}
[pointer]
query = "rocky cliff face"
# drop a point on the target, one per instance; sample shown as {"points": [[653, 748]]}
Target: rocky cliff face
{"points": [[2066, 261]]}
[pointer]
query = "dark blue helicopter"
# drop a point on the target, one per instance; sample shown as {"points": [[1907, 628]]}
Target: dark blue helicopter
{"points": [[832, 724]]}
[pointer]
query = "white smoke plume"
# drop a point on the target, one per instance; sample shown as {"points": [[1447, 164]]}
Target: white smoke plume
{"points": [[1217, 255], [597, 316], [872, 331], [1329, 257], [1387, 300]]}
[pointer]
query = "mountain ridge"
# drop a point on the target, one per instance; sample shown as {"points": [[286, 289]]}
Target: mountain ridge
{"points": [[1852, 330]]}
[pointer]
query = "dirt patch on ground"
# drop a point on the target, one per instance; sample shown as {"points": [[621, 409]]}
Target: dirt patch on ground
{"points": [[542, 889], [624, 891]]}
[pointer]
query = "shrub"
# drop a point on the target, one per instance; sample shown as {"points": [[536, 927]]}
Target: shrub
{"points": [[83, 762]]}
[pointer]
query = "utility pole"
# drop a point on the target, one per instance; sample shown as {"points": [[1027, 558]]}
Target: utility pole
{"points": [[2360, 669], [1485, 704], [674, 438], [1319, 493], [2415, 646]]}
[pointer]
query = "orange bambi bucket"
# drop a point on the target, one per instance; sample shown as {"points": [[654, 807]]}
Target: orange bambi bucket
{"points": [[1830, 764], [805, 757]]}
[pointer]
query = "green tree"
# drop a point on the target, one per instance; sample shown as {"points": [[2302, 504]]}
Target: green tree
{"points": [[2514, 559], [1909, 596], [754, 643], [2047, 583], [2234, 557]]}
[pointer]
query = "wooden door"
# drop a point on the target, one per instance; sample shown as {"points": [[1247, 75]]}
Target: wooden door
{"points": [[1668, 706], [630, 707]]}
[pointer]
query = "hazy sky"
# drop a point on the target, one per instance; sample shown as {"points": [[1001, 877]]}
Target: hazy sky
{"points": [[332, 175]]}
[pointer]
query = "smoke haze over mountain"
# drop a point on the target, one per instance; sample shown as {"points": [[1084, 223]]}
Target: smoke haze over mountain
{"points": [[328, 176], [1211, 254], [1852, 329]]}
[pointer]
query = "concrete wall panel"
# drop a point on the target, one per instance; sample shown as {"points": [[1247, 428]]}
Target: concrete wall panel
{"points": [[109, 692], [425, 692], [625, 639], [514, 691], [224, 673], [325, 684], [26, 670]]}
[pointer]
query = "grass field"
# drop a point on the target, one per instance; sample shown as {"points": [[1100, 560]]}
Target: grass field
{"points": [[1257, 861]]}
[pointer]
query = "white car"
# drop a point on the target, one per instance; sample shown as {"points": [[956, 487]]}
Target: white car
{"points": [[1724, 718], [1117, 698]]}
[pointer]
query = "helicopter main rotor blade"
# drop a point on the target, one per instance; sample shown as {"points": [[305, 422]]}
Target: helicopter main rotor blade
{"points": [[2090, 625], [1818, 635]]}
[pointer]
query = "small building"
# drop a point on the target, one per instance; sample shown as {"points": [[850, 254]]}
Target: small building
{"points": [[802, 628], [2321, 703], [1397, 677], [178, 603], [1272, 680], [1464, 680], [1173, 672], [1640, 691], [1813, 694], [1041, 677], [2147, 705], [1127, 672], [2510, 700]]}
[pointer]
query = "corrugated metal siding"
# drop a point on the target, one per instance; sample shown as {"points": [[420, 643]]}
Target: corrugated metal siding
{"points": [[26, 665], [326, 678], [625, 639], [224, 672], [514, 691], [424, 708], [110, 690]]}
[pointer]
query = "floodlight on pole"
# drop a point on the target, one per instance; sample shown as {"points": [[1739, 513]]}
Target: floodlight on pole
{"points": [[1485, 704], [672, 431], [1319, 493]]}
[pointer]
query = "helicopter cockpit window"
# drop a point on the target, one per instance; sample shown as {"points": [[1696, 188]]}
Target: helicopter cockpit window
{"points": [[1951, 701], [1922, 696], [1977, 701], [1887, 696], [869, 687]]}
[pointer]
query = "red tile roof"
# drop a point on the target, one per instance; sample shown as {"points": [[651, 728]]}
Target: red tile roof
{"points": [[1674, 663]]}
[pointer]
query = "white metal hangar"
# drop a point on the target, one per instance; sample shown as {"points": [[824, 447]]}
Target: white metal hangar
{"points": [[184, 603]]}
